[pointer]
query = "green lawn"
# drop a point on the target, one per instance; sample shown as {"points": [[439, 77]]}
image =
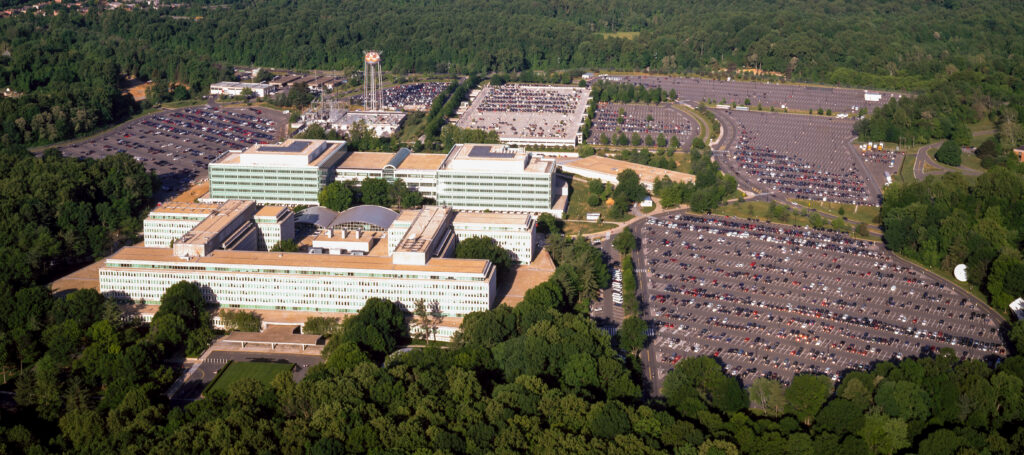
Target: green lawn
{"points": [[578, 207], [906, 174], [683, 160], [760, 210], [582, 227], [235, 371], [854, 213]]}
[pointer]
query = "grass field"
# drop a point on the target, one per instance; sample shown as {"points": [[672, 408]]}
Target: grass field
{"points": [[235, 371], [906, 174], [578, 207], [760, 210], [854, 213], [683, 161], [582, 227]]}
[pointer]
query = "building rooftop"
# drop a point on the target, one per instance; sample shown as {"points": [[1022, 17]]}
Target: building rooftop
{"points": [[186, 208], [299, 261], [291, 152], [365, 160], [611, 167], [217, 222], [516, 219], [376, 215], [271, 211], [426, 225], [423, 161]]}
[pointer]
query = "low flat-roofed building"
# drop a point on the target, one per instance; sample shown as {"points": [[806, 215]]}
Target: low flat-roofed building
{"points": [[299, 281], [381, 123], [607, 170], [229, 88], [293, 172], [515, 232], [170, 221], [345, 241], [275, 223], [228, 227], [417, 170]]}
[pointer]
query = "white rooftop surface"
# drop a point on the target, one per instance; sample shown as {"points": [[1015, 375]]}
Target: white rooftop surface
{"points": [[290, 153], [490, 158]]}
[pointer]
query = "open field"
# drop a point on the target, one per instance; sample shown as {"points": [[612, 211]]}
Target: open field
{"points": [[855, 213], [583, 227], [261, 371], [578, 207]]}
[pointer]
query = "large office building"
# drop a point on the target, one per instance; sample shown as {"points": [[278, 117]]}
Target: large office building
{"points": [[498, 178], [220, 255], [293, 172], [478, 177]]}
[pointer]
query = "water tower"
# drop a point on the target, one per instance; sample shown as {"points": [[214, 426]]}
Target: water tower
{"points": [[372, 81]]}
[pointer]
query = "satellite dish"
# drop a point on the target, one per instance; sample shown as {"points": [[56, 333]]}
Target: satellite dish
{"points": [[960, 272]]}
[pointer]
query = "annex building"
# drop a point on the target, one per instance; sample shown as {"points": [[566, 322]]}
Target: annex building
{"points": [[478, 177]]}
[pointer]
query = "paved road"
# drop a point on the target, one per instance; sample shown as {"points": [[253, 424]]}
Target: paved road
{"points": [[924, 156]]}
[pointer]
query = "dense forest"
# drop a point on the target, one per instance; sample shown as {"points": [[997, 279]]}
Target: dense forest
{"points": [[949, 220], [539, 377], [58, 212], [962, 57]]}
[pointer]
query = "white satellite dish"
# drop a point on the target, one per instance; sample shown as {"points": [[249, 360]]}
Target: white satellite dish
{"points": [[960, 272]]}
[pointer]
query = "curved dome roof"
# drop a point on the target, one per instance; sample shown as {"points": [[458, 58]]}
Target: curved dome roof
{"points": [[320, 216], [376, 215]]}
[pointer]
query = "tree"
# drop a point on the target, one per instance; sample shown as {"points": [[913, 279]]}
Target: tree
{"points": [[376, 191], [337, 196], [629, 187], [674, 142], [949, 153], [242, 321], [632, 335], [862, 229], [806, 394], [185, 300], [902, 399], [768, 395], [376, 328], [285, 246], [548, 224], [594, 200], [318, 325], [485, 248], [624, 241], [840, 416], [884, 435]]}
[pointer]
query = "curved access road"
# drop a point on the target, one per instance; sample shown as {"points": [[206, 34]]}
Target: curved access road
{"points": [[924, 155]]}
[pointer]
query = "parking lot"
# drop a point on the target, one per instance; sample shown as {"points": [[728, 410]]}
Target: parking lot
{"points": [[528, 112], [772, 300], [408, 97], [178, 144], [790, 96], [802, 156], [643, 119]]}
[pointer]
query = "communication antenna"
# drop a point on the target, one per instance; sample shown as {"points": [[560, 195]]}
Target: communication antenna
{"points": [[960, 272], [372, 80]]}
